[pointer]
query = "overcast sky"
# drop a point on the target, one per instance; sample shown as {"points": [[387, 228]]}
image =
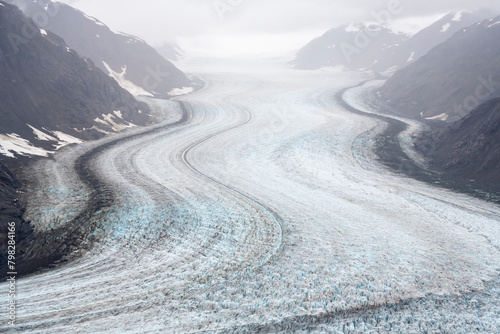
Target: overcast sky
{"points": [[257, 27]]}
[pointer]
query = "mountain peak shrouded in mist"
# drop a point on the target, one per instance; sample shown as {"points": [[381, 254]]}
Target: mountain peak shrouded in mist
{"points": [[138, 67], [348, 47], [378, 46]]}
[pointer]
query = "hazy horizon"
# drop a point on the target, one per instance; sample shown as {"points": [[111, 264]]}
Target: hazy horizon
{"points": [[238, 28]]}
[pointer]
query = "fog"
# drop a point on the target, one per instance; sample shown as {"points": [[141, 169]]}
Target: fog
{"points": [[257, 27]]}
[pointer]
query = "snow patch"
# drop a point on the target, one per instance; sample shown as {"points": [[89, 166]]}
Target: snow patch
{"points": [[118, 113], [446, 27], [96, 21], [67, 139], [441, 117], [131, 38], [412, 57], [68, 49], [181, 91], [95, 128], [98, 36], [1, 4], [109, 121], [390, 70], [43, 32], [13, 143], [494, 24], [40, 135], [124, 83], [457, 17]]}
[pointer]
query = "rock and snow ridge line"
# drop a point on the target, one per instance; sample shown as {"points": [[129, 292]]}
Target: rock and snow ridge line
{"points": [[12, 144]]}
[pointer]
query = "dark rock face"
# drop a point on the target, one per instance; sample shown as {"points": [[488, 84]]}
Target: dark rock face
{"points": [[145, 67], [11, 211], [470, 148], [452, 79], [50, 87]]}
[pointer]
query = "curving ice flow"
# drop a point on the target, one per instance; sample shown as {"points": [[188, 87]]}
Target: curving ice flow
{"points": [[263, 210]]}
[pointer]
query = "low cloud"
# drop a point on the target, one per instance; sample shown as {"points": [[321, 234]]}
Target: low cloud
{"points": [[197, 22]]}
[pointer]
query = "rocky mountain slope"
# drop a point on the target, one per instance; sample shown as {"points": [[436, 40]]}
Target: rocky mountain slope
{"points": [[379, 47], [452, 79], [11, 211], [422, 42], [470, 148], [50, 96], [353, 46], [131, 61]]}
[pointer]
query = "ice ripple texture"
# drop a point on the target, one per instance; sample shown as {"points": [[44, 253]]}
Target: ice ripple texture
{"points": [[256, 215]]}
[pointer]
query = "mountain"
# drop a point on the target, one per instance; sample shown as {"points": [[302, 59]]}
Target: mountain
{"points": [[452, 79], [353, 46], [470, 148], [137, 66], [422, 42], [379, 47], [50, 96], [170, 51]]}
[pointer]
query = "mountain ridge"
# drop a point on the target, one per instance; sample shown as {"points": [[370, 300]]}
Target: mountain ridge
{"points": [[451, 79], [50, 96], [130, 60], [356, 46]]}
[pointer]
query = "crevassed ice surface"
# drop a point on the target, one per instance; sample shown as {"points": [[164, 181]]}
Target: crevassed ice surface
{"points": [[265, 211]]}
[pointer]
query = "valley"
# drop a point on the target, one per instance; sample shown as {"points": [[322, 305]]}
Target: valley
{"points": [[257, 204]]}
